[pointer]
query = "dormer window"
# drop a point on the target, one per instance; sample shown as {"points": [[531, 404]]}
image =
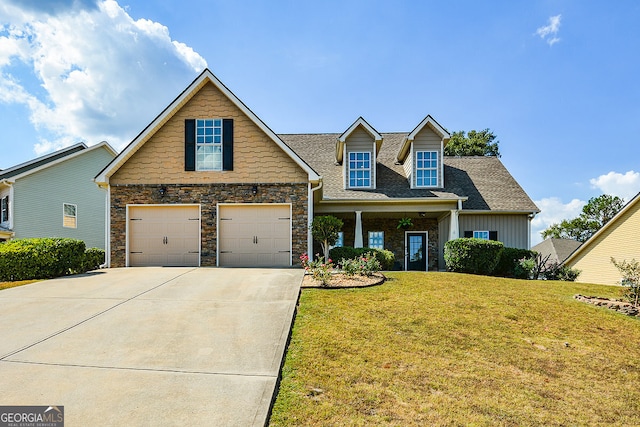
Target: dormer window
{"points": [[359, 169], [426, 168]]}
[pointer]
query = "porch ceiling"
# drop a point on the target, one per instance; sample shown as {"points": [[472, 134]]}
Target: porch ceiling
{"points": [[391, 210]]}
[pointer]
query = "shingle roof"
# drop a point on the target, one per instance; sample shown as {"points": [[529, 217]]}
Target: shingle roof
{"points": [[40, 161], [484, 180], [557, 249]]}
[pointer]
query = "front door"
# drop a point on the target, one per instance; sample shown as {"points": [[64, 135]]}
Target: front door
{"points": [[416, 251]]}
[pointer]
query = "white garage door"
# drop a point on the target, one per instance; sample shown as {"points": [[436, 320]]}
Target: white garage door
{"points": [[254, 235], [164, 235]]}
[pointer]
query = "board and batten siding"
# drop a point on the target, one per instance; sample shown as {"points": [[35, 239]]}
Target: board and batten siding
{"points": [[426, 140], [360, 141], [513, 230], [38, 199], [620, 240]]}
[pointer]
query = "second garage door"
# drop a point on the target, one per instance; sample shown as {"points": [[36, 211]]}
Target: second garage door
{"points": [[254, 235]]}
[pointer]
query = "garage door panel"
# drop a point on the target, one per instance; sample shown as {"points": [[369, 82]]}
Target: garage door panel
{"points": [[164, 235], [254, 235]]}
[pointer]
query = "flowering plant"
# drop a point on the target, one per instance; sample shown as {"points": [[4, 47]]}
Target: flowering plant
{"points": [[319, 269]]}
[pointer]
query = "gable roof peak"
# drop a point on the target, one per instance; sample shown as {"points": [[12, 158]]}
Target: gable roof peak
{"points": [[429, 122], [360, 122]]}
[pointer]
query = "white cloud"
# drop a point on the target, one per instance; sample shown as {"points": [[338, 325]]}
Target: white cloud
{"points": [[95, 73], [549, 33], [625, 185], [553, 211]]}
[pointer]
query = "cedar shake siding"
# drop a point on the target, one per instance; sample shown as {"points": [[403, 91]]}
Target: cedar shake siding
{"points": [[256, 158]]}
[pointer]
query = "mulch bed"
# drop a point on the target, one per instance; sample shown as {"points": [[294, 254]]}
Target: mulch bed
{"points": [[340, 281]]}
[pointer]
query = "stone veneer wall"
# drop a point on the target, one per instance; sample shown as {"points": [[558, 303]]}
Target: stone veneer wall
{"points": [[394, 238], [207, 195]]}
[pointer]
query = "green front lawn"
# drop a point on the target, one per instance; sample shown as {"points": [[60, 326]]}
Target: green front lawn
{"points": [[453, 349], [7, 285]]}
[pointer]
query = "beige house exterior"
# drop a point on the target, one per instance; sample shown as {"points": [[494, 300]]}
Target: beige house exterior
{"points": [[618, 239], [208, 183]]}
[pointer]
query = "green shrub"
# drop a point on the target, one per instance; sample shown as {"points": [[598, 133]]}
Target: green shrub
{"points": [[508, 264], [93, 259], [42, 258], [557, 271], [385, 257], [475, 256]]}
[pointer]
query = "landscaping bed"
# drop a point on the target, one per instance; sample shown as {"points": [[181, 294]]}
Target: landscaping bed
{"points": [[341, 280]]}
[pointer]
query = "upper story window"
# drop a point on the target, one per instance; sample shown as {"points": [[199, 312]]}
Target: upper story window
{"points": [[426, 169], [209, 145], [69, 215], [359, 169], [4, 209]]}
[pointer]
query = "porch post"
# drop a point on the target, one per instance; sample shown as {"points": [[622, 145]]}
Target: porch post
{"points": [[358, 239], [454, 231]]}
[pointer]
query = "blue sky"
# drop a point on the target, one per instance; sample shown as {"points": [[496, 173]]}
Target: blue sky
{"points": [[557, 81]]}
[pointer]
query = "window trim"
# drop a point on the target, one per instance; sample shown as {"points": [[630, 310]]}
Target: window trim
{"points": [[369, 169], [201, 124], [435, 168], [4, 209], [369, 239], [65, 216]]}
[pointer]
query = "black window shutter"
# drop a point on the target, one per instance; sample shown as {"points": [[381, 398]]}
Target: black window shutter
{"points": [[190, 145], [468, 234], [227, 144], [493, 235]]}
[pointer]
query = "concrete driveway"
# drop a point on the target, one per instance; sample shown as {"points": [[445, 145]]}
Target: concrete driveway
{"points": [[149, 346]]}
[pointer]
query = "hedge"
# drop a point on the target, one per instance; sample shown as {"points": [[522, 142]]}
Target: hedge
{"points": [[93, 259], [44, 258], [386, 258], [508, 264], [475, 256]]}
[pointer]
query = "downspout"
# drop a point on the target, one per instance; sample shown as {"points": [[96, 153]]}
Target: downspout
{"points": [[107, 226], [310, 219]]}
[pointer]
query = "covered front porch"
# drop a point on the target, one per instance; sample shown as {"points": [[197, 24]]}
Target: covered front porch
{"points": [[378, 225]]}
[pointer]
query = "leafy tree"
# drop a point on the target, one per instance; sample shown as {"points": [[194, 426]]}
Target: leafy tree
{"points": [[630, 271], [325, 230], [595, 214], [475, 143]]}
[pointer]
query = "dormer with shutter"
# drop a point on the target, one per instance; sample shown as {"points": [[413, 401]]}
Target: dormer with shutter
{"points": [[356, 150], [421, 154]]}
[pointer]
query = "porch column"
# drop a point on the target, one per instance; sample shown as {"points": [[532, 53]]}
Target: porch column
{"points": [[357, 243], [454, 231]]}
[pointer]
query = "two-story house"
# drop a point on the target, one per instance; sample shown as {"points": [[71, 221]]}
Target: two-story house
{"points": [[208, 183], [54, 196]]}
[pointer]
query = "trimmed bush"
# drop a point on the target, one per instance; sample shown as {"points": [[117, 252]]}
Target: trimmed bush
{"points": [[508, 264], [43, 258], [93, 259], [385, 257], [475, 256]]}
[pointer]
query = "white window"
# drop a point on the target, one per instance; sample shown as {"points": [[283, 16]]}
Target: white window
{"points": [[4, 209], [209, 145], [376, 239], [426, 168], [360, 169], [69, 215], [481, 235], [340, 241]]}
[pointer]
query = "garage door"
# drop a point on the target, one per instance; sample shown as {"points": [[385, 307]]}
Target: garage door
{"points": [[164, 236], [254, 235]]}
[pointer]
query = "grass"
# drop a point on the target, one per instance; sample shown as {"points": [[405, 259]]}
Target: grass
{"points": [[7, 285], [452, 349]]}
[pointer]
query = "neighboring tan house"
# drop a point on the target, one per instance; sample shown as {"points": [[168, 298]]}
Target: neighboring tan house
{"points": [[557, 250], [619, 238], [208, 183], [55, 196]]}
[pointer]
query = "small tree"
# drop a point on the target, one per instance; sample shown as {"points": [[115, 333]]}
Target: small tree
{"points": [[630, 271], [325, 229]]}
